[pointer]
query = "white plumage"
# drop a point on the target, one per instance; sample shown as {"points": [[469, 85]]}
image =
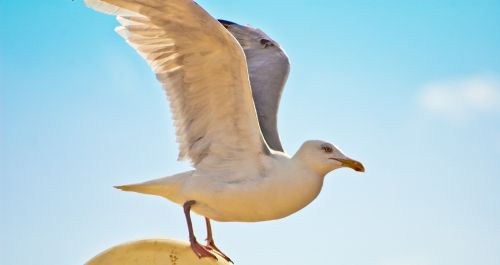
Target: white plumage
{"points": [[224, 82]]}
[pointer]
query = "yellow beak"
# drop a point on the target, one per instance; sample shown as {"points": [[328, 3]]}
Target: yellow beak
{"points": [[351, 163]]}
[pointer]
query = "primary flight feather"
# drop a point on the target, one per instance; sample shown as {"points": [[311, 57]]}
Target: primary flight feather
{"points": [[224, 82]]}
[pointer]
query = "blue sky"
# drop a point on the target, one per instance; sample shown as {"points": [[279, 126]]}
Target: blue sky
{"points": [[410, 89]]}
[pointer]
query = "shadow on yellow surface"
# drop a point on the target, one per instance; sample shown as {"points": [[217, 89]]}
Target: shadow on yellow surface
{"points": [[152, 252]]}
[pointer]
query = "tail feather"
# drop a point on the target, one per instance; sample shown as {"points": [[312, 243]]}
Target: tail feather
{"points": [[166, 187], [147, 188], [131, 187]]}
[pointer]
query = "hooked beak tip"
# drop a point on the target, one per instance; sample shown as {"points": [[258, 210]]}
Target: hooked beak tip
{"points": [[359, 168]]}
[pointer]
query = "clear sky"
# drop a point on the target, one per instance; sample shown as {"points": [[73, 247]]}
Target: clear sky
{"points": [[410, 89]]}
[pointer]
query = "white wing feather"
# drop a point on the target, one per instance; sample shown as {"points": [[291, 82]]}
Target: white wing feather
{"points": [[204, 73]]}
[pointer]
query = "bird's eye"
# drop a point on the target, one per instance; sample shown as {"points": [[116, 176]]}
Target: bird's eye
{"points": [[327, 148]]}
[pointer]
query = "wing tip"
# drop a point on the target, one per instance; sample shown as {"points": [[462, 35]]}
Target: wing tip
{"points": [[227, 23], [110, 9]]}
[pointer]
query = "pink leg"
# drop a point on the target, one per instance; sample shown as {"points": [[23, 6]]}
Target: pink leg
{"points": [[211, 243], [198, 249]]}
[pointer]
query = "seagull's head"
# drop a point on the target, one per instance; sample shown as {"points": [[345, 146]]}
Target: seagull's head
{"points": [[324, 157]]}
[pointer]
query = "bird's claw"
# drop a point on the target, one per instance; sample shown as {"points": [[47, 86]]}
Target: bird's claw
{"points": [[202, 251], [213, 247]]}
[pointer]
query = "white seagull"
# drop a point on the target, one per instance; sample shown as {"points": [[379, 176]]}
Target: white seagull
{"points": [[224, 83]]}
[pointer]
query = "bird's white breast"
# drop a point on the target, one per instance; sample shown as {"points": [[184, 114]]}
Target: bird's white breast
{"points": [[278, 190]]}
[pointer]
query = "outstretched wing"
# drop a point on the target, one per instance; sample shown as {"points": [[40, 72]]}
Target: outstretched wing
{"points": [[268, 67], [203, 71]]}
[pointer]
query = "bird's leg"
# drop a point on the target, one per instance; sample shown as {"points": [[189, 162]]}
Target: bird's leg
{"points": [[211, 243], [198, 249]]}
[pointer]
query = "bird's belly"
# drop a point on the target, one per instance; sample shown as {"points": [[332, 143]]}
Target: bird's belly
{"points": [[254, 202]]}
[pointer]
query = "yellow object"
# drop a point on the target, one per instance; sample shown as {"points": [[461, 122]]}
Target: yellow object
{"points": [[153, 252]]}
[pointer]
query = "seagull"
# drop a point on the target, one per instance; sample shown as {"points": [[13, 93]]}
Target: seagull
{"points": [[224, 83]]}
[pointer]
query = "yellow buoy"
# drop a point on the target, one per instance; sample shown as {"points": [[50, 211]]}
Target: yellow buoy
{"points": [[153, 252]]}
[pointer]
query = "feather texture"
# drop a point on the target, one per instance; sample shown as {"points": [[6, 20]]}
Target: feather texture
{"points": [[268, 67], [204, 73]]}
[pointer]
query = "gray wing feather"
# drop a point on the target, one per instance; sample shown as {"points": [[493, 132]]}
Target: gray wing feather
{"points": [[268, 68]]}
